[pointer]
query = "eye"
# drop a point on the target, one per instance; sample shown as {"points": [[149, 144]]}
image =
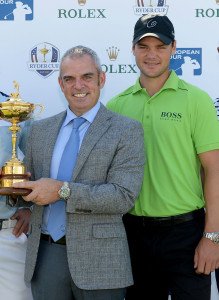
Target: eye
{"points": [[162, 47], [68, 79], [88, 77], [142, 47]]}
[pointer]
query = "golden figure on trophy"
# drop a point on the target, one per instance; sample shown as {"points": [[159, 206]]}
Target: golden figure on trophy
{"points": [[15, 110], [44, 51]]}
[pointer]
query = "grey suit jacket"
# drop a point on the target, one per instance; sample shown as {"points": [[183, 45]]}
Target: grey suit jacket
{"points": [[106, 181]]}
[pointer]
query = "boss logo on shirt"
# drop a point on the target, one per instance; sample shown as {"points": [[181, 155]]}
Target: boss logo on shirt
{"points": [[171, 116]]}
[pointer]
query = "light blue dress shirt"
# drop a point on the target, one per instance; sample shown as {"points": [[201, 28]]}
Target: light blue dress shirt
{"points": [[61, 142]]}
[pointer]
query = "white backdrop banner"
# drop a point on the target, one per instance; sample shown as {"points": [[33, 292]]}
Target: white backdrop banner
{"points": [[35, 33]]}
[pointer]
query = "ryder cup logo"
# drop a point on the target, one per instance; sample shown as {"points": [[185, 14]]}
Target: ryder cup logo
{"points": [[187, 62], [11, 10], [155, 7], [44, 59]]}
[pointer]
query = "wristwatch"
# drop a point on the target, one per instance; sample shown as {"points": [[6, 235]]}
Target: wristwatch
{"points": [[213, 236], [64, 192]]}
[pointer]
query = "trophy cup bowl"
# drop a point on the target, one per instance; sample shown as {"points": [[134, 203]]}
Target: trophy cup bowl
{"points": [[14, 110]]}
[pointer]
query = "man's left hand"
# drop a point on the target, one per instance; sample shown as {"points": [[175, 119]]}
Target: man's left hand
{"points": [[44, 190], [23, 219], [206, 258]]}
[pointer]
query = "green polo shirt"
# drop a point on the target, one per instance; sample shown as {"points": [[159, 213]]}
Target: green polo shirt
{"points": [[179, 122]]}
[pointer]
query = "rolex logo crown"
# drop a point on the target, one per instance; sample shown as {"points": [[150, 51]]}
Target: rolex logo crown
{"points": [[81, 2], [112, 53]]}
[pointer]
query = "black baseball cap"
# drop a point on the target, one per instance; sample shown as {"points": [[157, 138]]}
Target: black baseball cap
{"points": [[158, 26]]}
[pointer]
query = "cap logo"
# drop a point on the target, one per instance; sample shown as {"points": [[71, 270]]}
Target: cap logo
{"points": [[151, 23]]}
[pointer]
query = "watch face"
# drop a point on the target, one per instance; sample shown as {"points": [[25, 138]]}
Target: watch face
{"points": [[64, 192]]}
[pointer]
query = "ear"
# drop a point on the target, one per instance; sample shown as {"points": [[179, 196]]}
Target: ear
{"points": [[102, 79], [173, 47], [60, 83], [133, 49]]}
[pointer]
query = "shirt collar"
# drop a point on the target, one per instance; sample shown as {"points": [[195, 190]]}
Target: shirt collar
{"points": [[171, 83], [88, 116]]}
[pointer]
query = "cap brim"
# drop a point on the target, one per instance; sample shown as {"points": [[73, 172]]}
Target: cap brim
{"points": [[166, 40]]}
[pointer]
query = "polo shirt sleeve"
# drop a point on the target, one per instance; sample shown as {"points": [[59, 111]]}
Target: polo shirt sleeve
{"points": [[205, 125]]}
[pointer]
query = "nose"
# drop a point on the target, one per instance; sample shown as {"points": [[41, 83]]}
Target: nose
{"points": [[151, 53], [78, 84]]}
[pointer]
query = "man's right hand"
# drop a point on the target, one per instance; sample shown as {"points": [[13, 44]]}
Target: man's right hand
{"points": [[23, 219]]}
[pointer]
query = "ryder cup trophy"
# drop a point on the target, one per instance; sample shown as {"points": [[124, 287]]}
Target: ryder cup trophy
{"points": [[15, 110]]}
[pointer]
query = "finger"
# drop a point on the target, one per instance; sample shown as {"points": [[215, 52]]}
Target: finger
{"points": [[25, 185], [207, 268], [196, 260], [39, 202], [31, 197], [20, 228], [17, 228], [200, 269]]}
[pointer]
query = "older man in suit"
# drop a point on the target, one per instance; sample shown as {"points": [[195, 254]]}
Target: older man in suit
{"points": [[77, 248]]}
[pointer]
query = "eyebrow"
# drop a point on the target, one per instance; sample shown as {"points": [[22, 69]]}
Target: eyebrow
{"points": [[89, 73], [85, 74]]}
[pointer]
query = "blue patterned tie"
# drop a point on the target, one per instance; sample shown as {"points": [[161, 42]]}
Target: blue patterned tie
{"points": [[57, 216]]}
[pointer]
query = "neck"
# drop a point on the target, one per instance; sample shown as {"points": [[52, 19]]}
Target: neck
{"points": [[153, 84]]}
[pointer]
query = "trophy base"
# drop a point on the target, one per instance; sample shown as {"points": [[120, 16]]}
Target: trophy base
{"points": [[10, 191], [6, 184]]}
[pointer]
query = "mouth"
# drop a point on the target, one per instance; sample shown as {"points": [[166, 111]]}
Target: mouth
{"points": [[151, 64], [80, 95]]}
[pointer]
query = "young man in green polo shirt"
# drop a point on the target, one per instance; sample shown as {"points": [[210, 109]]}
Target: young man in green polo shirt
{"points": [[173, 243]]}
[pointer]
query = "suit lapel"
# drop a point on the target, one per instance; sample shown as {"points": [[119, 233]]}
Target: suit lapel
{"points": [[52, 132], [99, 126]]}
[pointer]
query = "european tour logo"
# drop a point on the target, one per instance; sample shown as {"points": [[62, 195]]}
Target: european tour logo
{"points": [[17, 11]]}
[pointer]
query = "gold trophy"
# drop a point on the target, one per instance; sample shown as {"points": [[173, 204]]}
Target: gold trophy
{"points": [[14, 110]]}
